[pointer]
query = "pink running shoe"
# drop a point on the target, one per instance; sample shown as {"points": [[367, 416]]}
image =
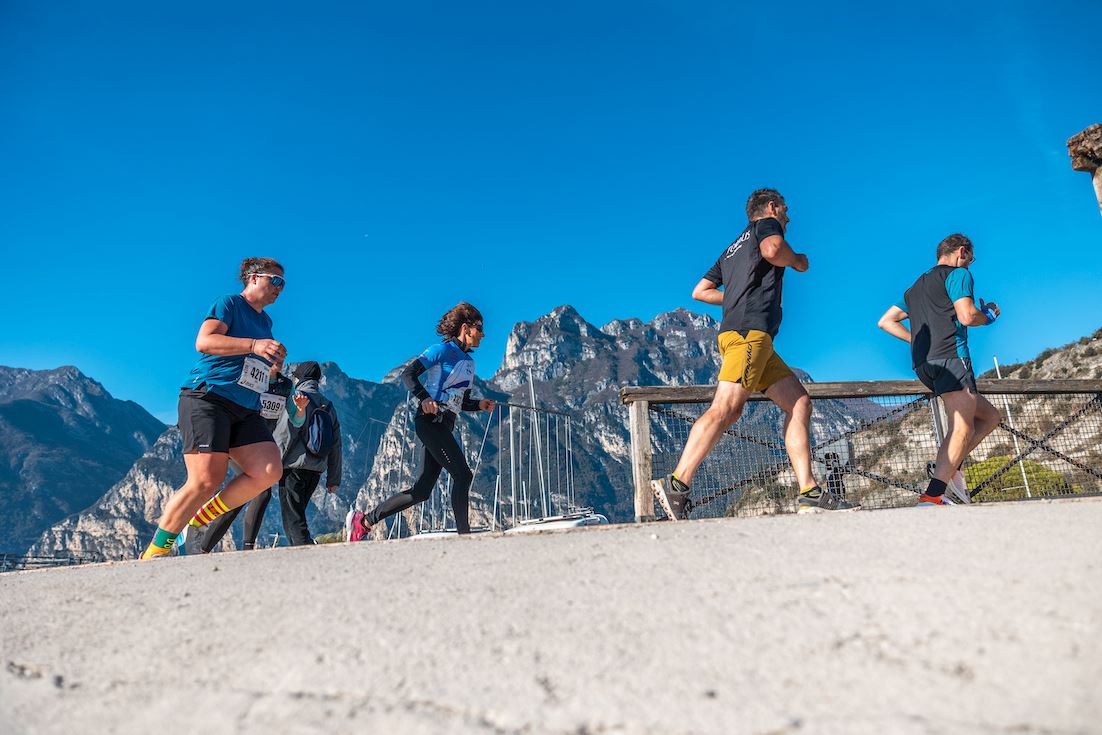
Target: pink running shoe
{"points": [[354, 527]]}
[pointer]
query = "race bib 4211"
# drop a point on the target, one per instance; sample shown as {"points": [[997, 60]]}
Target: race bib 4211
{"points": [[254, 375]]}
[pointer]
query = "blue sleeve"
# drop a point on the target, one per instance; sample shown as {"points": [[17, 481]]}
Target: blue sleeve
{"points": [[222, 310], [959, 285], [433, 355], [901, 304]]}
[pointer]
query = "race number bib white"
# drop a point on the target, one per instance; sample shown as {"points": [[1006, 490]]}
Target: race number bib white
{"points": [[455, 402], [271, 405], [254, 375]]}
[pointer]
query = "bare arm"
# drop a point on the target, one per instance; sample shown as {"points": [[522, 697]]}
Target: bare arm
{"points": [[892, 323], [777, 251], [213, 340], [969, 315], [708, 292]]}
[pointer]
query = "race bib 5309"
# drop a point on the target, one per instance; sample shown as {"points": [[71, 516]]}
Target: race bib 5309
{"points": [[271, 405], [254, 375]]}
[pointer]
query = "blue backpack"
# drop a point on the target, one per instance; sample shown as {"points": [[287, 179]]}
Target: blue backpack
{"points": [[320, 433]]}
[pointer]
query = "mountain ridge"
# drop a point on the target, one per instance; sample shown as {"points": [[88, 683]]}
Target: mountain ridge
{"points": [[64, 441]]}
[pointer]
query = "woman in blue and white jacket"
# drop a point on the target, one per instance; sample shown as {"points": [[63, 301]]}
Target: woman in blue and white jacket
{"points": [[448, 371]]}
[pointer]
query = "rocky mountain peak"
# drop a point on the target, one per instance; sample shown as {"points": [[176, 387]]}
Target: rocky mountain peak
{"points": [[682, 318], [65, 386], [394, 375], [63, 440], [546, 333], [616, 327], [564, 351]]}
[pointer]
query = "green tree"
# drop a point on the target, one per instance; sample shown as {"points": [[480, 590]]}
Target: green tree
{"points": [[1009, 485]]}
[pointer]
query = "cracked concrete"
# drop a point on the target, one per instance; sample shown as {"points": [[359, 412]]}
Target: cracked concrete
{"points": [[984, 619]]}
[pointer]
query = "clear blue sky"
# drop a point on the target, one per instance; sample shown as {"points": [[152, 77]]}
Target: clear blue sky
{"points": [[399, 157]]}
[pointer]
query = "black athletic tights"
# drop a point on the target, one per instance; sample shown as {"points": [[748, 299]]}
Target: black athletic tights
{"points": [[441, 452]]}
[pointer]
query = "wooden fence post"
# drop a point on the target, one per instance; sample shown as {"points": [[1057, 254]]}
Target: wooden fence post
{"points": [[639, 427]]}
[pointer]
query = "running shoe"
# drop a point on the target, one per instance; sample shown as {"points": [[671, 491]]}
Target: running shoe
{"points": [[931, 500], [355, 526], [817, 500], [957, 486], [181, 542], [676, 504]]}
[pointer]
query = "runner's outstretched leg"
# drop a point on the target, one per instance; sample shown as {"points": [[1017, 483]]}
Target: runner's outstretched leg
{"points": [[419, 493], [726, 408], [254, 518]]}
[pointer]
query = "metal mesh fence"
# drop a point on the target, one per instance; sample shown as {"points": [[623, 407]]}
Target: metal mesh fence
{"points": [[875, 450]]}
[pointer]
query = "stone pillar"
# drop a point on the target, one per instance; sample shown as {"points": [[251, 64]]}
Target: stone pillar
{"points": [[1085, 150]]}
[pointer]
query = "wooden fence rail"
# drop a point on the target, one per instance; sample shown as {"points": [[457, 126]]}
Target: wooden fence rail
{"points": [[861, 389]]}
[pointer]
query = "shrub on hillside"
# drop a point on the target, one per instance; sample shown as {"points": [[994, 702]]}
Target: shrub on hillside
{"points": [[1006, 370], [1009, 485]]}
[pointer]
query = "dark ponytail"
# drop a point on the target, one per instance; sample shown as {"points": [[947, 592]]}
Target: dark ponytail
{"points": [[460, 314]]}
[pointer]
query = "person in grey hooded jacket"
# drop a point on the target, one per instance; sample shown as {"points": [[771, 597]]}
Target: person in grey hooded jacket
{"points": [[301, 468]]}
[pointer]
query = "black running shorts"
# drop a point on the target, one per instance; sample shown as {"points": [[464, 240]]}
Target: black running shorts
{"points": [[211, 423], [947, 376]]}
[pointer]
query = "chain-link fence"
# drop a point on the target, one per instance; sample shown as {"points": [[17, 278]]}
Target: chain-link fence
{"points": [[871, 443]]}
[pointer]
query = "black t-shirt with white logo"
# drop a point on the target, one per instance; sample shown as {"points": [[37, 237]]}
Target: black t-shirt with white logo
{"points": [[751, 284]]}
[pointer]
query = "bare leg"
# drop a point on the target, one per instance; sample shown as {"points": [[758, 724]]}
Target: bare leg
{"points": [[791, 398], [727, 405], [205, 472], [987, 420], [960, 407], [261, 465]]}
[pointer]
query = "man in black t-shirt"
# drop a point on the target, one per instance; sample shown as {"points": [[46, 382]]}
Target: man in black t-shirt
{"points": [[941, 305], [751, 273]]}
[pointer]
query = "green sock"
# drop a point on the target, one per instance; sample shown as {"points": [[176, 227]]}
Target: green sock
{"points": [[812, 492], [161, 544], [163, 539]]}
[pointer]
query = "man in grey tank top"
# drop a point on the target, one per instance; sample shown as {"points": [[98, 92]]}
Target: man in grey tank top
{"points": [[941, 305]]}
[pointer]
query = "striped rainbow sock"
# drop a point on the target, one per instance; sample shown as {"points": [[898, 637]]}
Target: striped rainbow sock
{"points": [[210, 510]]}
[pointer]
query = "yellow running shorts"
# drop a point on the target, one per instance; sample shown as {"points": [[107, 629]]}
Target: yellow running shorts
{"points": [[750, 360]]}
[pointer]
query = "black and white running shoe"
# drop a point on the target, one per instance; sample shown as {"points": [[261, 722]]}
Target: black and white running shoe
{"points": [[817, 500], [676, 504], [956, 488]]}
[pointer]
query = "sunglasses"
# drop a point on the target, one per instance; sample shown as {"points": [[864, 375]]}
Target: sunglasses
{"points": [[277, 281]]}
